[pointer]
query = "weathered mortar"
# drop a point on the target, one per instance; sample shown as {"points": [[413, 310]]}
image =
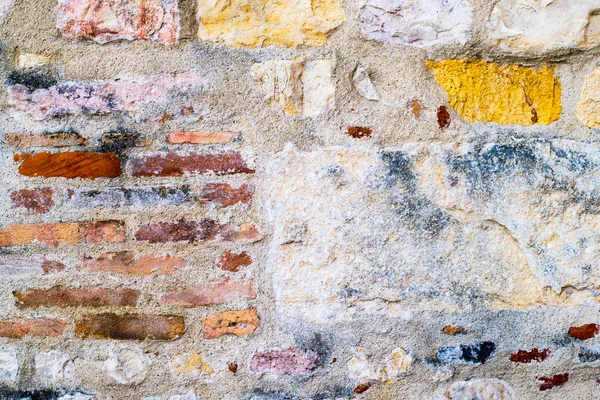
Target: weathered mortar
{"points": [[335, 229]]}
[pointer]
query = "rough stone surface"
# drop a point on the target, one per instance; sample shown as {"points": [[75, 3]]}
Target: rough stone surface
{"points": [[484, 389], [416, 23], [363, 85], [54, 368], [587, 108], [126, 365], [9, 366]]}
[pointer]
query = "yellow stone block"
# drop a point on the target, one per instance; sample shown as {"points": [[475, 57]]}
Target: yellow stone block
{"points": [[507, 94], [257, 23], [588, 107]]}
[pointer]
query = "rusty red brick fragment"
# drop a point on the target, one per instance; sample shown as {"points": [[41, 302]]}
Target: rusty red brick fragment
{"points": [[225, 195], [125, 262], [443, 117], [233, 262], [416, 108], [362, 388], [69, 165], [76, 297], [285, 362], [130, 326], [208, 294], [37, 327], [174, 164], [584, 332], [525, 357], [552, 382], [232, 367], [36, 201], [25, 140], [196, 231], [359, 132], [105, 21]]}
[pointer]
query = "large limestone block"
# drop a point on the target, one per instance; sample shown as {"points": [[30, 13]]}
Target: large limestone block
{"points": [[543, 26], [444, 227]]}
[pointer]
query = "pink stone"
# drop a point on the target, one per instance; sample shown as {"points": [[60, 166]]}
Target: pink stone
{"points": [[98, 97], [288, 362], [108, 20]]}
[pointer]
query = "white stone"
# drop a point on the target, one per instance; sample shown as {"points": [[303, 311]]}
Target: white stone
{"points": [[9, 366], [418, 23], [127, 365], [481, 389], [541, 26], [361, 369], [54, 368], [363, 85], [191, 395], [5, 8], [296, 87], [30, 60], [397, 363], [78, 396]]}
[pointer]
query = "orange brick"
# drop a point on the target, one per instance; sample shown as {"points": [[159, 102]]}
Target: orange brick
{"points": [[76, 297], [130, 326], [211, 293], [69, 165], [237, 323], [39, 327], [124, 262]]}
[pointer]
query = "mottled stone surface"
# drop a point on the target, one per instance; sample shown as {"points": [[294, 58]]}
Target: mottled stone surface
{"points": [[258, 23], [54, 368], [417, 23], [484, 389], [107, 21], [542, 26], [126, 365], [588, 107]]}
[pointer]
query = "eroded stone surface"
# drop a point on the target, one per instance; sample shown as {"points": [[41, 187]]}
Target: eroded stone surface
{"points": [[106, 21], [9, 366], [54, 369], [296, 87], [417, 23], [484, 389], [258, 23], [498, 224], [588, 107], [127, 365], [542, 26], [5, 8], [363, 85]]}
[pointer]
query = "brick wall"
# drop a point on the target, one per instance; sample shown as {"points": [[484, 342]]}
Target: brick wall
{"points": [[259, 200]]}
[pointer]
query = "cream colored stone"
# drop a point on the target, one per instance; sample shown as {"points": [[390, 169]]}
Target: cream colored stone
{"points": [[363, 85], [127, 365], [481, 389], [398, 362], [5, 8], [542, 26], [296, 87], [30, 60], [588, 107], [361, 369], [54, 369], [258, 23], [191, 364]]}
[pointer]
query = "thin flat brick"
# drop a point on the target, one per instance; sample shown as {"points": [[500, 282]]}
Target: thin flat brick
{"points": [[196, 231], [233, 262], [55, 234], [174, 164], [69, 165], [36, 201], [284, 362], [37, 327], [27, 266], [76, 297], [130, 326], [106, 21], [209, 294], [26, 140], [201, 137], [238, 323], [225, 195], [125, 262], [117, 197]]}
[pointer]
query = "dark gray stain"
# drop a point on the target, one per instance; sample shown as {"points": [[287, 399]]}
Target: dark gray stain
{"points": [[477, 353], [31, 79], [31, 394]]}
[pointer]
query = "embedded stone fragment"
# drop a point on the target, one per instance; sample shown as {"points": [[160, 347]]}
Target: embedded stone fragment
{"points": [[191, 364], [507, 94], [584, 332], [201, 137], [588, 107], [127, 365], [129, 326], [419, 23], [208, 294], [296, 87], [363, 85], [538, 27], [54, 368], [69, 165], [259, 23], [9, 366], [551, 382], [232, 262], [525, 357], [482, 389], [98, 97], [363, 369], [105, 21], [238, 323], [284, 362], [25, 140], [32, 60], [477, 353]]}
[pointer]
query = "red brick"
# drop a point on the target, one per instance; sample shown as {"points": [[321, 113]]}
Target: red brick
{"points": [[285, 362], [130, 326], [174, 164], [201, 137], [76, 297], [25, 140], [63, 233], [225, 195], [525, 357], [125, 262], [36, 201], [106, 21], [69, 165], [443, 117], [211, 293], [359, 132], [584, 332], [233, 262], [553, 381], [192, 231], [238, 323], [38, 327]]}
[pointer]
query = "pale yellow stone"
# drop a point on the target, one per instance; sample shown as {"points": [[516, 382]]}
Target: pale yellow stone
{"points": [[588, 108], [192, 364], [257, 23], [30, 60]]}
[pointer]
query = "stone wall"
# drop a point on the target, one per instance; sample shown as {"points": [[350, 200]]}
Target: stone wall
{"points": [[291, 199]]}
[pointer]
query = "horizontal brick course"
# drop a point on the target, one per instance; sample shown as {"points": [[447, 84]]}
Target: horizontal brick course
{"points": [[69, 165], [125, 262], [208, 294], [76, 297], [174, 164], [25, 140], [195, 231], [33, 265], [114, 197], [130, 326], [36, 201], [37, 327]]}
